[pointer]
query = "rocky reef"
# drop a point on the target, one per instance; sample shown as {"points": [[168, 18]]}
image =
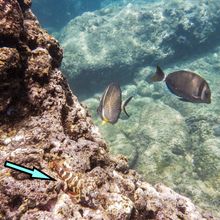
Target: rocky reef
{"points": [[42, 124], [112, 43], [54, 14], [168, 140]]}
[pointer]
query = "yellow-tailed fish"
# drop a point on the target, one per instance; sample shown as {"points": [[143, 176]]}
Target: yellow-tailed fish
{"points": [[110, 106]]}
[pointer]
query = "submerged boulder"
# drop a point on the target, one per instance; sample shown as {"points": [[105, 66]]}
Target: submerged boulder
{"points": [[109, 44], [54, 14]]}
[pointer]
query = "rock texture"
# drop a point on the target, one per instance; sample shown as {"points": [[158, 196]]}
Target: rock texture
{"points": [[112, 43], [42, 124]]}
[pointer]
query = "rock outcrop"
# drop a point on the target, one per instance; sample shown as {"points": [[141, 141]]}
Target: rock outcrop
{"points": [[54, 14], [42, 124], [112, 43]]}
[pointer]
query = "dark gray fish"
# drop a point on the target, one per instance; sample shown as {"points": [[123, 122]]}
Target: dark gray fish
{"points": [[189, 86], [110, 105]]}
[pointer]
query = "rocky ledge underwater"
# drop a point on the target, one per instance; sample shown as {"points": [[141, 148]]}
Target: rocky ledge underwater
{"points": [[43, 125]]}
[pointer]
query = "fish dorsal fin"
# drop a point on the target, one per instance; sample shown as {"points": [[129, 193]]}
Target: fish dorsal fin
{"points": [[124, 104]]}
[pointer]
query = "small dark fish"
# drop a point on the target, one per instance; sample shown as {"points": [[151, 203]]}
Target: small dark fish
{"points": [[189, 86], [111, 105]]}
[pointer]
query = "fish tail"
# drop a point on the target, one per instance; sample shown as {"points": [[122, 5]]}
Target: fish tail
{"points": [[104, 122], [158, 76], [124, 104]]}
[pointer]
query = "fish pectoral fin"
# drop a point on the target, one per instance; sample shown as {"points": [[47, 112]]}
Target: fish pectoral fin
{"points": [[124, 104]]}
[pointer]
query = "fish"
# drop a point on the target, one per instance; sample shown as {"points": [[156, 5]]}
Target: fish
{"points": [[189, 86], [70, 179], [111, 104]]}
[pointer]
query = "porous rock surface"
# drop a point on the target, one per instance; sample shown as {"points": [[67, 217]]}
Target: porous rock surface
{"points": [[41, 121]]}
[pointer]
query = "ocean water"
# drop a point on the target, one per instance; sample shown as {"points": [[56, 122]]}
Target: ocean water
{"points": [[165, 139]]}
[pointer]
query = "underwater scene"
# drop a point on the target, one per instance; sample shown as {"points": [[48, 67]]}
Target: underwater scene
{"points": [[148, 71]]}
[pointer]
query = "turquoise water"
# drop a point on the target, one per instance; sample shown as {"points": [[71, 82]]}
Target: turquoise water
{"points": [[165, 139]]}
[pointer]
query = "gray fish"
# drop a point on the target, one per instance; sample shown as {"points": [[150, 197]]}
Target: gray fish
{"points": [[189, 86], [111, 105]]}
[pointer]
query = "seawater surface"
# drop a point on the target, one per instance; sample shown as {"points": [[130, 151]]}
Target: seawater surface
{"points": [[165, 139]]}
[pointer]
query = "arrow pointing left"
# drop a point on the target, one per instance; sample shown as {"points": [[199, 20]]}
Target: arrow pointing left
{"points": [[35, 173]]}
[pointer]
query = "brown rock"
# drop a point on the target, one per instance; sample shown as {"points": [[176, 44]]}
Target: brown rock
{"points": [[37, 37], [9, 60], [9, 69], [11, 21], [25, 4], [39, 63]]}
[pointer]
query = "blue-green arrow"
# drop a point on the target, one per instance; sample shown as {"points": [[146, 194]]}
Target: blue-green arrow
{"points": [[35, 173]]}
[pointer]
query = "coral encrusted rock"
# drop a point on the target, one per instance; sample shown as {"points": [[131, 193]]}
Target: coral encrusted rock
{"points": [[43, 125]]}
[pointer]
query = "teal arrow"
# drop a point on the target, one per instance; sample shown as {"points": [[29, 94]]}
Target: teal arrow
{"points": [[35, 173]]}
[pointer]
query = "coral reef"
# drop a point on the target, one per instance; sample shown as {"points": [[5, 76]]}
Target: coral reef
{"points": [[112, 43], [42, 123]]}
